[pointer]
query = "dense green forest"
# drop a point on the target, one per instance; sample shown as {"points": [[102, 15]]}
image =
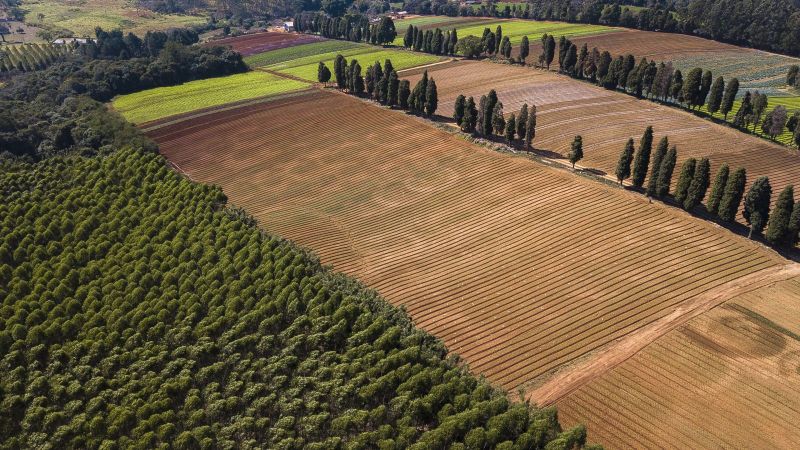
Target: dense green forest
{"points": [[137, 310]]}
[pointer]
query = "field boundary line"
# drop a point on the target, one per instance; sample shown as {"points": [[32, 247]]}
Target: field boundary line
{"points": [[565, 382]]}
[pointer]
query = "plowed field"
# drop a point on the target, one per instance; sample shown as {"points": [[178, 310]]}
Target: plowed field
{"points": [[606, 120], [727, 379], [250, 44], [518, 267]]}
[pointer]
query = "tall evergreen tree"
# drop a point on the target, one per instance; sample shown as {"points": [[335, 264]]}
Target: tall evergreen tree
{"points": [[498, 33], [583, 57], [498, 120], [480, 122], [408, 39], [453, 42], [403, 92], [394, 87], [470, 116], [715, 98], [676, 90], [655, 166], [778, 227], [374, 80], [511, 129], [729, 97], [603, 65], [732, 197], [323, 73], [340, 69], [624, 163], [699, 185], [712, 205], [431, 98], [692, 87], [684, 180], [745, 112], [530, 127], [756, 205], [576, 152], [488, 112], [665, 172], [522, 120], [549, 51], [458, 111], [760, 103], [571, 59], [563, 47], [793, 231], [642, 158], [791, 76], [524, 49], [705, 87]]}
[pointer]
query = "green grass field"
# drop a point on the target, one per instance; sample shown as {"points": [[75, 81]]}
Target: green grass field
{"points": [[314, 49], [158, 103], [306, 68], [515, 29], [82, 17]]}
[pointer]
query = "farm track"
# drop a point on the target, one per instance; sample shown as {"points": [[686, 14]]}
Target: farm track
{"points": [[606, 120], [495, 254], [721, 380]]}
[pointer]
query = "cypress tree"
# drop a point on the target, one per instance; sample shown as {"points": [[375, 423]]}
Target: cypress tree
{"points": [[524, 50], [498, 121], [323, 73], [778, 227], [661, 151], [583, 57], [699, 185], [732, 197], [793, 232], [563, 47], [488, 112], [403, 92], [576, 152], [796, 136], [470, 116], [376, 77], [705, 87], [756, 205], [745, 111], [511, 129], [550, 51], [408, 39], [522, 120], [684, 180], [624, 163], [712, 205], [791, 76], [453, 41], [692, 87], [339, 69], [480, 117], [498, 33], [530, 127], [431, 98], [665, 172], [715, 99], [571, 59], [418, 40], [729, 97], [677, 87], [642, 159], [394, 86], [458, 113]]}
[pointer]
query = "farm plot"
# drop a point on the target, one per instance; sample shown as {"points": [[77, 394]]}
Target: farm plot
{"points": [[157, 103], [726, 379], [606, 120], [443, 22], [306, 68], [251, 44], [534, 29], [519, 267], [316, 49]]}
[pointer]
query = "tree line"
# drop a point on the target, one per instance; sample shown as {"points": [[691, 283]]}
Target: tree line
{"points": [[350, 27], [382, 84], [436, 42], [727, 190], [765, 24], [662, 82]]}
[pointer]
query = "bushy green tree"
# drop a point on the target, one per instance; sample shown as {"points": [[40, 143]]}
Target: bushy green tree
{"points": [[623, 170], [458, 111], [778, 232], [576, 151], [732, 197], [712, 205], [756, 205], [684, 180]]}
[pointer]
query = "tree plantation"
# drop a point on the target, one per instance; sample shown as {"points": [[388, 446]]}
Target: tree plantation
{"points": [[138, 310]]}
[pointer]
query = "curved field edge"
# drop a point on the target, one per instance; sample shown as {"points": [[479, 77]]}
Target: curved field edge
{"points": [[519, 268]]}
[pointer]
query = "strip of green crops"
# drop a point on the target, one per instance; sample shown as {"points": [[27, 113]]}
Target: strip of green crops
{"points": [[158, 103], [515, 29], [792, 104], [289, 54], [306, 68]]}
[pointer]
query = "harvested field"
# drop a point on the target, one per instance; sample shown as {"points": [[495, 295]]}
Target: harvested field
{"points": [[727, 379], [518, 267], [606, 120], [251, 44]]}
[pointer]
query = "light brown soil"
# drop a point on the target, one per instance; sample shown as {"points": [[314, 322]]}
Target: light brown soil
{"points": [[518, 267]]}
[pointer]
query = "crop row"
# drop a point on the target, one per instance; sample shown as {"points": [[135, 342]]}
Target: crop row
{"points": [[30, 57]]}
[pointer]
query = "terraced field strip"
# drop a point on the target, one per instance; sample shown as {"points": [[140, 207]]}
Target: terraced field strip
{"points": [[251, 44], [534, 29], [306, 67], [443, 22], [157, 103], [317, 49], [519, 267], [606, 120], [726, 379]]}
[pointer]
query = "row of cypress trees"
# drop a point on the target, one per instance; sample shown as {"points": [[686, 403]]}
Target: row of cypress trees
{"points": [[487, 119], [436, 41], [382, 84], [727, 190]]}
